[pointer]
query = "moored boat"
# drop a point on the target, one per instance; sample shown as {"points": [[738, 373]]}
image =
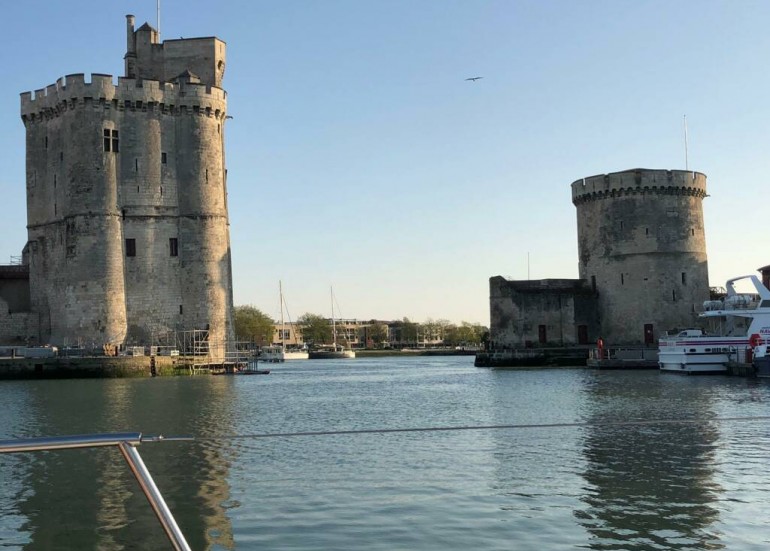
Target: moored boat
{"points": [[334, 352], [279, 353], [743, 323]]}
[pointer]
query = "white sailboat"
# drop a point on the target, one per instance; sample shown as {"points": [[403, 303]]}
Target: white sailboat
{"points": [[279, 352], [335, 351]]}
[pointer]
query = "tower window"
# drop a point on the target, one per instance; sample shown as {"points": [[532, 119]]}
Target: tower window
{"points": [[136, 165], [646, 231], [111, 141], [673, 295], [46, 142], [163, 157], [622, 224], [181, 310], [622, 279], [61, 155], [173, 246], [130, 247], [692, 231], [593, 282], [684, 278]]}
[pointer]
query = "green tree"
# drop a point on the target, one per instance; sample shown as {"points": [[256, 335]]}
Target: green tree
{"points": [[465, 334], [252, 325], [376, 333], [315, 329], [409, 332]]}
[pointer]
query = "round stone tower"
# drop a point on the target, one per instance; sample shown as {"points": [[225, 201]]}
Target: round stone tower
{"points": [[642, 247]]}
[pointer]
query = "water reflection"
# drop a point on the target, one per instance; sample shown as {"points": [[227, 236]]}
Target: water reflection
{"points": [[648, 486], [87, 499]]}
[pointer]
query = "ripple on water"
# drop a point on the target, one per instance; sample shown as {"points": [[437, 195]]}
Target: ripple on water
{"points": [[601, 485]]}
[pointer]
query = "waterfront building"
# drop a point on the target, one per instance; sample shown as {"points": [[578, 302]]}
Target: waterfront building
{"points": [[642, 265], [128, 233]]}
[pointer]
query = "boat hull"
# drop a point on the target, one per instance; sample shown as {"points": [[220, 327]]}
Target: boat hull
{"points": [[332, 354], [274, 354], [682, 363], [700, 355]]}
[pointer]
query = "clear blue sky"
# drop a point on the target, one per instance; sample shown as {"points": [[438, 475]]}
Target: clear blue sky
{"points": [[359, 157]]}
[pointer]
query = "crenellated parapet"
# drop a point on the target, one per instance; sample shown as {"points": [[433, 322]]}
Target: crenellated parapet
{"points": [[73, 92], [639, 181]]}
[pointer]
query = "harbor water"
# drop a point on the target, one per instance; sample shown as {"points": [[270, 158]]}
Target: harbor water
{"points": [[578, 459]]}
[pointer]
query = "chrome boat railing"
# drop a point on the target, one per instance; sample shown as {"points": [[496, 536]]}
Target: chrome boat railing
{"points": [[126, 443]]}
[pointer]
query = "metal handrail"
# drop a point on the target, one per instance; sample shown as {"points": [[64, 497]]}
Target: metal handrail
{"points": [[126, 443]]}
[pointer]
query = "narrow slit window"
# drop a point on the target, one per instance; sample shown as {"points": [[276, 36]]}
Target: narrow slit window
{"points": [[130, 247], [163, 158], [684, 278], [173, 246], [673, 295], [622, 279], [181, 310], [136, 165]]}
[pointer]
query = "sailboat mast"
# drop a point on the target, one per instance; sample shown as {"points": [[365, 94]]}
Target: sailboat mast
{"points": [[283, 327], [334, 327]]}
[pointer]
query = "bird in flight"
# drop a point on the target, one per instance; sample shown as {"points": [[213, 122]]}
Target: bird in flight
{"points": [[474, 79]]}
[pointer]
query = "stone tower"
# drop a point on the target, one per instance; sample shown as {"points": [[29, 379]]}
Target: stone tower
{"points": [[128, 232], [642, 247]]}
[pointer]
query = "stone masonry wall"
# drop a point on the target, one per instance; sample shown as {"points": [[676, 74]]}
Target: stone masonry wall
{"points": [[520, 308], [17, 327]]}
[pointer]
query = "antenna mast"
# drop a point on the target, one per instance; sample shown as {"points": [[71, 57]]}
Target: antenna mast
{"points": [[686, 160]]}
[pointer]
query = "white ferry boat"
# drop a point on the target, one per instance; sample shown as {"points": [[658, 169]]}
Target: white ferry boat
{"points": [[741, 323]]}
